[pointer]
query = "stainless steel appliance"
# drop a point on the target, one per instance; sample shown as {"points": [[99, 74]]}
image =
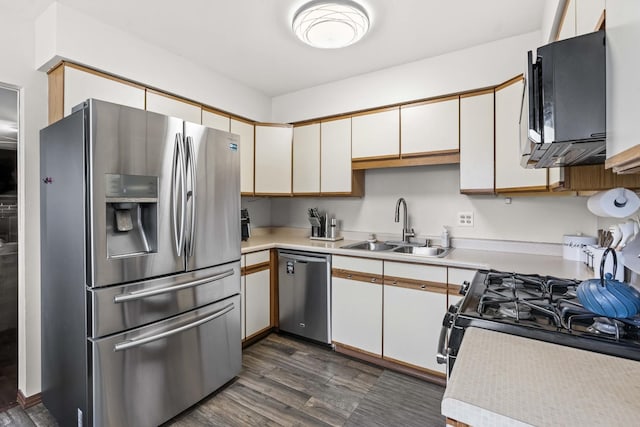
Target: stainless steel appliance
{"points": [[140, 265], [545, 308], [304, 288], [563, 115]]}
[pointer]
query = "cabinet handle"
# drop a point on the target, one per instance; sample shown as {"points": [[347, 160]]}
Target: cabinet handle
{"points": [[423, 286], [373, 280], [349, 276], [395, 282]]}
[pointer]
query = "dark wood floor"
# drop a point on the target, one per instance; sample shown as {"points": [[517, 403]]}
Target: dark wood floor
{"points": [[288, 382]]}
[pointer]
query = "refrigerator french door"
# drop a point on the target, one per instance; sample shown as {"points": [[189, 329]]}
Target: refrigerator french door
{"points": [[140, 265]]}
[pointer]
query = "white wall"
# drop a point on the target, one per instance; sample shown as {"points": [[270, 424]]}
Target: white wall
{"points": [[484, 65], [17, 70], [65, 33], [433, 200]]}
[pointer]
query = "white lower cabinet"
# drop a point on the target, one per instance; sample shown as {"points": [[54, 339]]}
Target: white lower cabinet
{"points": [[415, 300], [256, 293], [356, 303]]}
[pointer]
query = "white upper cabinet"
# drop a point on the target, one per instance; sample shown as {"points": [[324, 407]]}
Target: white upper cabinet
{"points": [[306, 159], [174, 107], [81, 85], [215, 120], [247, 151], [510, 175], [335, 156], [273, 159], [589, 14], [376, 135], [477, 143], [430, 127], [568, 23]]}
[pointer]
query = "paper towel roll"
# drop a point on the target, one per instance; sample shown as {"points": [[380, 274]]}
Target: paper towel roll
{"points": [[615, 203]]}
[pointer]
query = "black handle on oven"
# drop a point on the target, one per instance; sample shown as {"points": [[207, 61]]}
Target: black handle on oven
{"points": [[443, 353]]}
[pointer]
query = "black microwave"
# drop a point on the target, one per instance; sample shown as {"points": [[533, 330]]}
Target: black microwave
{"points": [[563, 114]]}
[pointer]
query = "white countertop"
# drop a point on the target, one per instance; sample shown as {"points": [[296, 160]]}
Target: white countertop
{"points": [[286, 238], [506, 380]]}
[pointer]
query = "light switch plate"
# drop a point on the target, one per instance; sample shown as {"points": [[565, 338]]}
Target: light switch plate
{"points": [[465, 219]]}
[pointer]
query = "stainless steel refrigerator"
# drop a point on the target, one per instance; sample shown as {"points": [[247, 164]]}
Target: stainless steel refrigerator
{"points": [[140, 239]]}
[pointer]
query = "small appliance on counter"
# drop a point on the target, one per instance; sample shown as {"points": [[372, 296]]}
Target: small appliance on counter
{"points": [[323, 228], [245, 224]]}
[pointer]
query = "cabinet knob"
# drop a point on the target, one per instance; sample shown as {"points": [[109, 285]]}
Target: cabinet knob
{"points": [[373, 280], [349, 276], [423, 286], [395, 282]]}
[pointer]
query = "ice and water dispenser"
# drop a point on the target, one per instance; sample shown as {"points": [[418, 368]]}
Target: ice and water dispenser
{"points": [[132, 214]]}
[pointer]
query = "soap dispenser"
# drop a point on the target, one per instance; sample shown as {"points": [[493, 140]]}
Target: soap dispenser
{"points": [[444, 239]]}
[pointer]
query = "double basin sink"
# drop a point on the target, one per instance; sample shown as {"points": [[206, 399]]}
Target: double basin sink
{"points": [[428, 251]]}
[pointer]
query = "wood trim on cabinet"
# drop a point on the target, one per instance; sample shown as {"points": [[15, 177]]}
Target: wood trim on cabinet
{"points": [[255, 268], [56, 93], [602, 21], [275, 125], [521, 189], [174, 97], [596, 177], [511, 81], [475, 191], [626, 161], [430, 153], [356, 352], [246, 194], [27, 402], [274, 285], [431, 374], [375, 110], [453, 289], [429, 101], [272, 194], [257, 336], [374, 158], [359, 276], [418, 285], [443, 159], [450, 422], [104, 75], [477, 93], [220, 113]]}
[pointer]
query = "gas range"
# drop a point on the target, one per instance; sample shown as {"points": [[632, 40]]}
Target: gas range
{"points": [[540, 307]]}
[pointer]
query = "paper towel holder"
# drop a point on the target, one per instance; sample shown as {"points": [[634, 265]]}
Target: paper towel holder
{"points": [[621, 200]]}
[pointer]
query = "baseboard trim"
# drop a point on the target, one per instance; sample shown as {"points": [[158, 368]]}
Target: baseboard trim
{"points": [[27, 402]]}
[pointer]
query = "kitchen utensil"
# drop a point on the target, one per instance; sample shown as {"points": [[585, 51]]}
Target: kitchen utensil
{"points": [[608, 297]]}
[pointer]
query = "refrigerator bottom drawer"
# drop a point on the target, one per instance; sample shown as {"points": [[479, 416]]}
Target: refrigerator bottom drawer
{"points": [[146, 376]]}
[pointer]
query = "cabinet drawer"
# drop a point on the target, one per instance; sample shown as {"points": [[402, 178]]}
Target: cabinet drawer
{"points": [[254, 258], [361, 265], [459, 275], [419, 272]]}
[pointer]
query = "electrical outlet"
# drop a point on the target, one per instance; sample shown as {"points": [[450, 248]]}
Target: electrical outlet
{"points": [[465, 219]]}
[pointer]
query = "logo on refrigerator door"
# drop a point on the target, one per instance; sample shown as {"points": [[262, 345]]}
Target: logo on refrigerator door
{"points": [[290, 267], [233, 146]]}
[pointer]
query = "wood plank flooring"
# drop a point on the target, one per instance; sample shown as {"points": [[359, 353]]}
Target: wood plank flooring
{"points": [[289, 382]]}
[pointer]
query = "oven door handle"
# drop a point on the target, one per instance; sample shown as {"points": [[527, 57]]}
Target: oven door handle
{"points": [[128, 344], [443, 353]]}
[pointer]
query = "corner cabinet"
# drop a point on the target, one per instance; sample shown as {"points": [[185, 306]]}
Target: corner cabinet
{"points": [[511, 177], [256, 293], [415, 299], [477, 150], [273, 150], [356, 304]]}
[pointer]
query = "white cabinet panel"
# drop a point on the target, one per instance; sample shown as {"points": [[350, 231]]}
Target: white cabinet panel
{"points": [[216, 121], [588, 14], [412, 320], [306, 158], [510, 176], [335, 156], [376, 134], [430, 127], [255, 258], [247, 150], [568, 25], [81, 85], [356, 314], [273, 159], [477, 143], [431, 273], [457, 276], [257, 302], [173, 107], [364, 265], [243, 307]]}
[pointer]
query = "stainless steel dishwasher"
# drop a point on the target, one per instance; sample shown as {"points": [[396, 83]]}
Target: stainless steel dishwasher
{"points": [[304, 282]]}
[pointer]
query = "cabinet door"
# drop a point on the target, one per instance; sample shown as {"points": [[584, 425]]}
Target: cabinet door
{"points": [[216, 121], [430, 127], [412, 323], [376, 135], [335, 156], [247, 149], [477, 143], [510, 175], [174, 107], [589, 15], [273, 160], [568, 23], [257, 302], [81, 85], [306, 159]]}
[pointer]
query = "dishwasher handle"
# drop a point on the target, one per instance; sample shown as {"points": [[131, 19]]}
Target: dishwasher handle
{"points": [[302, 258]]}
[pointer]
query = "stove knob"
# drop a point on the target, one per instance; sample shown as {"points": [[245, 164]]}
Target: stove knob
{"points": [[453, 309], [465, 287]]}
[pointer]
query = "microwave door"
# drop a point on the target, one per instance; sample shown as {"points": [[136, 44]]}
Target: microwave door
{"points": [[132, 162], [213, 202]]}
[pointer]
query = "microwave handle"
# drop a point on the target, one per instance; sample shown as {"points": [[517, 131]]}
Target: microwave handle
{"points": [[533, 83]]}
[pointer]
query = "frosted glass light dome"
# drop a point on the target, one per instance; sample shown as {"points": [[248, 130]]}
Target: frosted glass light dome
{"points": [[330, 24]]}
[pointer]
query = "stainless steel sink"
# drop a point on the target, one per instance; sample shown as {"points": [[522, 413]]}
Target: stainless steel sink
{"points": [[370, 246], [431, 251]]}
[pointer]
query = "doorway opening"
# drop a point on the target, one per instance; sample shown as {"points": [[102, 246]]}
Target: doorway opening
{"points": [[8, 247]]}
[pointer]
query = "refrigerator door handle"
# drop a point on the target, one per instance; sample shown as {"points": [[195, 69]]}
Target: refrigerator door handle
{"points": [[191, 162], [178, 186], [132, 296], [128, 344]]}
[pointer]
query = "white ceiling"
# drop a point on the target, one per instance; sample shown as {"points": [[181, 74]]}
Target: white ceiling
{"points": [[251, 40]]}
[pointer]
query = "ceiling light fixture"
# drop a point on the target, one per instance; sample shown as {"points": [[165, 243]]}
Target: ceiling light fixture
{"points": [[330, 24]]}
